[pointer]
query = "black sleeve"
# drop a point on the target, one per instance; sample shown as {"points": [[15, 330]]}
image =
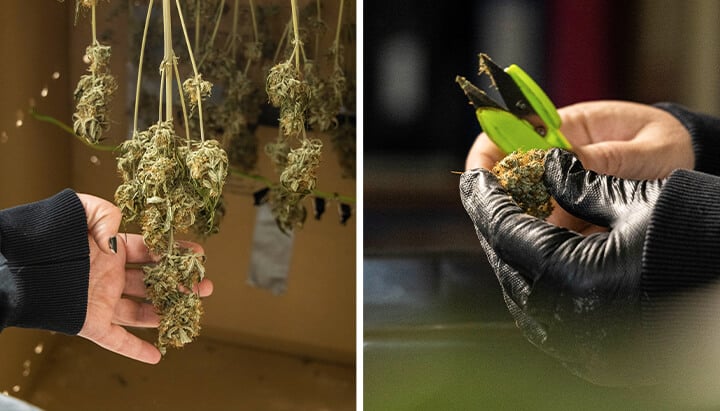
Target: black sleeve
{"points": [[681, 258], [705, 133], [44, 264]]}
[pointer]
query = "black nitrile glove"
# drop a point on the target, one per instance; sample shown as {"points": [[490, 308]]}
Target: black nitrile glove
{"points": [[576, 297]]}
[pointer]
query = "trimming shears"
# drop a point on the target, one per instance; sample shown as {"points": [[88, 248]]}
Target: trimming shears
{"points": [[529, 120]]}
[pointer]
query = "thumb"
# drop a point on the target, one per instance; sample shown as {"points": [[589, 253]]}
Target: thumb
{"points": [[596, 198], [103, 220]]}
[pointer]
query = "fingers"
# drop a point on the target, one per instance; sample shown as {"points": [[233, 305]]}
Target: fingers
{"points": [[204, 288], [626, 139], [120, 341], [590, 196], [483, 154], [135, 285], [524, 242], [597, 198], [135, 314], [103, 219], [138, 253]]}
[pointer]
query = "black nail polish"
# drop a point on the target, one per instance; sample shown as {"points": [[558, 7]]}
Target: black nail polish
{"points": [[112, 242]]}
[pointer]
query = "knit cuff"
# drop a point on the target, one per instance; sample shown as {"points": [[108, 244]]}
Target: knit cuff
{"points": [[705, 134], [681, 256], [46, 247]]}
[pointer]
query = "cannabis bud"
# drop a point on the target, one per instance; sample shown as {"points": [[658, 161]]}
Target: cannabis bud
{"points": [[171, 185], [521, 174], [196, 89], [93, 95]]}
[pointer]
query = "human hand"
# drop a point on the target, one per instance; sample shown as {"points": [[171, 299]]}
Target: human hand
{"points": [[623, 139], [575, 296], [115, 290]]}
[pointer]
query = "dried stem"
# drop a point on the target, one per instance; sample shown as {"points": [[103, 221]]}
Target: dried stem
{"points": [[195, 71], [296, 33], [214, 33], [168, 58], [197, 24], [233, 38], [317, 33], [182, 103], [94, 26], [336, 42], [140, 68]]}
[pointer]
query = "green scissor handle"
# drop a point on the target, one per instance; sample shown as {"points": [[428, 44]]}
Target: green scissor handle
{"points": [[509, 132], [510, 129], [542, 106]]}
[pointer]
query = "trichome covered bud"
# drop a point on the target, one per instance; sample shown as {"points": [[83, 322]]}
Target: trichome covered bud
{"points": [[521, 174]]}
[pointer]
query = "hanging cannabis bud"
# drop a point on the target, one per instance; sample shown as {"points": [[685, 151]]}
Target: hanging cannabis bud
{"points": [[287, 90], [287, 208], [196, 89], [173, 185], [299, 173], [93, 94], [521, 174]]}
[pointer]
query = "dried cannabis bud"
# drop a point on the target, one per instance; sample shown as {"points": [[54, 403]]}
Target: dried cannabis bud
{"points": [[171, 185], [93, 95], [299, 173], [521, 174], [196, 89], [287, 208], [287, 90]]}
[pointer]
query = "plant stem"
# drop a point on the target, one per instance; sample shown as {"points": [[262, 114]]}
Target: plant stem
{"points": [[182, 103], [197, 25], [254, 21], [168, 58], [214, 33], [337, 33], [317, 32], [256, 36], [233, 38], [57, 123], [281, 42], [296, 32], [262, 179], [195, 70], [267, 182], [140, 68], [94, 28]]}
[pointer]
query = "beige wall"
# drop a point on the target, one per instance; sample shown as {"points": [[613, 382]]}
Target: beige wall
{"points": [[35, 159]]}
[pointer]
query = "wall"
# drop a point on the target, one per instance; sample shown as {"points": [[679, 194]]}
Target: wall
{"points": [[35, 158]]}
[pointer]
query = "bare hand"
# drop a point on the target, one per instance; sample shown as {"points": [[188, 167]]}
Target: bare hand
{"points": [[116, 293]]}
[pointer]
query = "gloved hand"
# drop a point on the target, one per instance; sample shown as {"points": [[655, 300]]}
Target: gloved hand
{"points": [[576, 297]]}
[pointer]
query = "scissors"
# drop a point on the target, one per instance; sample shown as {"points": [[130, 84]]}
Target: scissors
{"points": [[528, 120]]}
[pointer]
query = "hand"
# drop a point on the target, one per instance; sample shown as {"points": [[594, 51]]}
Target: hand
{"points": [[109, 311], [624, 139], [575, 296]]}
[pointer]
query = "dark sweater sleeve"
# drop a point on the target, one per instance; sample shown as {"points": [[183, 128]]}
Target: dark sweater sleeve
{"points": [[681, 259], [705, 133], [44, 264]]}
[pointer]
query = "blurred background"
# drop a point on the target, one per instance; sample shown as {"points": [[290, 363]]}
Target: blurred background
{"points": [[437, 334]]}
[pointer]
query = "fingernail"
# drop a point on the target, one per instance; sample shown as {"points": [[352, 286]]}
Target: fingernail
{"points": [[112, 242]]}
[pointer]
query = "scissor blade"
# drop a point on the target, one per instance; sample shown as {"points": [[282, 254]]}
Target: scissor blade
{"points": [[509, 91], [477, 97]]}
